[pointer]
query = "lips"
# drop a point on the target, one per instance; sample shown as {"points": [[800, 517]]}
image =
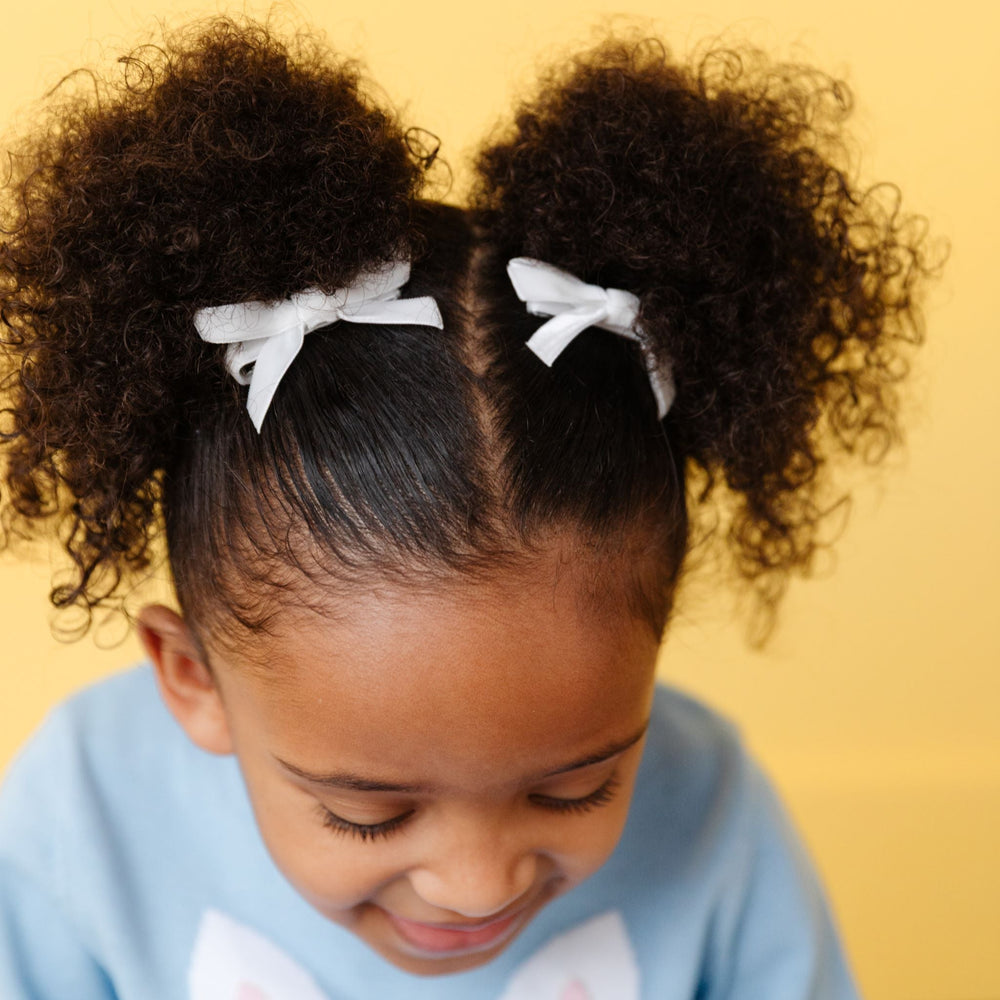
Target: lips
{"points": [[451, 939]]}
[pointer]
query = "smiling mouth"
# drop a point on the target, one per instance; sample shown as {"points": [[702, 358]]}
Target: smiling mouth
{"points": [[453, 939]]}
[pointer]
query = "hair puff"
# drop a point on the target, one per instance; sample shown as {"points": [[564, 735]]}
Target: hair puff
{"points": [[780, 292], [220, 165]]}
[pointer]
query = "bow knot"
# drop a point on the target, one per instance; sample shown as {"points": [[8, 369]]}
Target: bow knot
{"points": [[264, 338], [574, 306]]}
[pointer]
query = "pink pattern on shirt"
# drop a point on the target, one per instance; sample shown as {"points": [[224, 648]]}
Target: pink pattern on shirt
{"points": [[575, 991], [247, 991]]}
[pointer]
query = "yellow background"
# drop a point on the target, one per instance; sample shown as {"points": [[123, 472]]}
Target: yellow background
{"points": [[875, 706]]}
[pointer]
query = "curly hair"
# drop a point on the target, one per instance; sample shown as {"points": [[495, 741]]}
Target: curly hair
{"points": [[782, 296], [224, 165]]}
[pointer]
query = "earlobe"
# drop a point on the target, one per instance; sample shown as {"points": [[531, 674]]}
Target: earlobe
{"points": [[185, 681]]}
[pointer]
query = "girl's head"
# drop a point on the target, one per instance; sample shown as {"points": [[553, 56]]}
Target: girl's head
{"points": [[440, 563], [429, 768]]}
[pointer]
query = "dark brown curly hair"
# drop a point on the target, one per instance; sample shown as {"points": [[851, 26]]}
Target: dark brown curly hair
{"points": [[225, 165]]}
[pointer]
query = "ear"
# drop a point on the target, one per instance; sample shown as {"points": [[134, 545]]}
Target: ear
{"points": [[185, 680]]}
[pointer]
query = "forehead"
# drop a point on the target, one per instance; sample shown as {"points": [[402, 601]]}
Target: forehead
{"points": [[519, 669]]}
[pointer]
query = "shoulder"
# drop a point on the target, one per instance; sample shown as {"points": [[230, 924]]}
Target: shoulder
{"points": [[716, 896], [116, 819], [717, 865], [94, 725], [701, 803], [684, 723], [693, 754], [92, 753], [697, 757]]}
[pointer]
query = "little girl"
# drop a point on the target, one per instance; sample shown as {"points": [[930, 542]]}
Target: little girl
{"points": [[426, 476]]}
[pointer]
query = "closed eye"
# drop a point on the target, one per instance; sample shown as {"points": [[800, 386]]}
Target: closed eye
{"points": [[599, 797], [363, 831], [373, 831]]}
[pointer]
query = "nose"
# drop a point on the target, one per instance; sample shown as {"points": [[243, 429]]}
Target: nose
{"points": [[475, 875]]}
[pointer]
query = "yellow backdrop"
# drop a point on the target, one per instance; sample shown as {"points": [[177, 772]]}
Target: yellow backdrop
{"points": [[875, 705]]}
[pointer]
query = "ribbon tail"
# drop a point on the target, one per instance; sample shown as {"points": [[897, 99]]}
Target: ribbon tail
{"points": [[553, 337], [420, 311], [274, 359], [661, 381], [536, 281]]}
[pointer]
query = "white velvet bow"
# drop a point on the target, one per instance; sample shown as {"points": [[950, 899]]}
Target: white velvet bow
{"points": [[574, 306], [270, 335]]}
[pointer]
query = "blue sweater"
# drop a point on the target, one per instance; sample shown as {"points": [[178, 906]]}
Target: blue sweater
{"points": [[131, 868]]}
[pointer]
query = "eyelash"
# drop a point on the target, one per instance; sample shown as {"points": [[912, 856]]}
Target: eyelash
{"points": [[363, 831], [368, 832], [594, 800]]}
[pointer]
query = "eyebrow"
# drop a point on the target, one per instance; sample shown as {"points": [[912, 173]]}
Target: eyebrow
{"points": [[359, 783]]}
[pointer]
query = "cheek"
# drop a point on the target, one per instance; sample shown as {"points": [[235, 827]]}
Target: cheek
{"points": [[334, 872], [337, 884], [597, 838], [586, 842]]}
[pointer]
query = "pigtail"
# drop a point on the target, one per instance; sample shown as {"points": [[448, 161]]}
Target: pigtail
{"points": [[219, 166], [782, 294]]}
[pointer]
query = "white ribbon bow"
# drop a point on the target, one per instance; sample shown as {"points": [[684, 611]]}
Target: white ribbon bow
{"points": [[574, 306], [270, 335]]}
